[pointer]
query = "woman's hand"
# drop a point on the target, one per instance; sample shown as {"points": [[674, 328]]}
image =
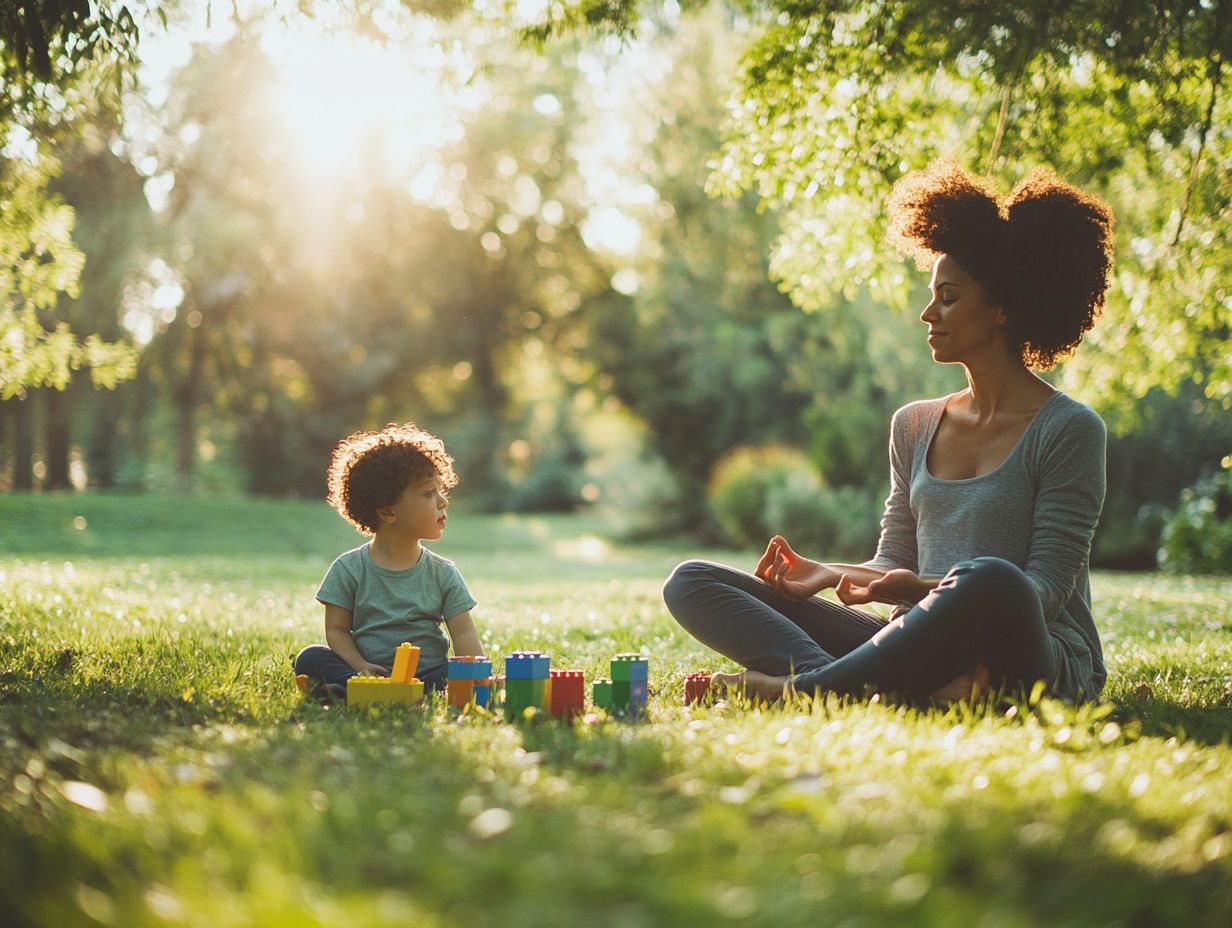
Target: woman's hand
{"points": [[894, 586], [790, 574]]}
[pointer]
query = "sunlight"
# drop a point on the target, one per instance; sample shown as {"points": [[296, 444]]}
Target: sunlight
{"points": [[352, 105]]}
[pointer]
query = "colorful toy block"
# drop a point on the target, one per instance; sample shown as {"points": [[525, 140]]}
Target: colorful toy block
{"points": [[522, 694], [465, 674], [483, 693], [601, 693], [567, 693], [374, 691], [527, 665], [527, 676], [469, 667], [696, 687], [630, 675], [406, 662], [630, 667]]}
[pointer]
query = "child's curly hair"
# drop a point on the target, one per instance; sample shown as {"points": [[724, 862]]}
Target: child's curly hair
{"points": [[370, 470], [1044, 254]]}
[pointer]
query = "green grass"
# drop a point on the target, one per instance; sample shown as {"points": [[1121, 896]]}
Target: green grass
{"points": [[157, 767]]}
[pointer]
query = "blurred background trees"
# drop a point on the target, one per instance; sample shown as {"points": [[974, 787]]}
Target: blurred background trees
{"points": [[643, 273]]}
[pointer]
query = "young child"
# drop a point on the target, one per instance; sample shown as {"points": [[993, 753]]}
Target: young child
{"points": [[393, 485]]}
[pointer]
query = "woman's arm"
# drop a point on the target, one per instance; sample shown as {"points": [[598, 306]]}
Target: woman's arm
{"points": [[1070, 482], [340, 640]]}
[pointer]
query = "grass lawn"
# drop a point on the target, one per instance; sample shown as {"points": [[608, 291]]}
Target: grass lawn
{"points": [[158, 768]]}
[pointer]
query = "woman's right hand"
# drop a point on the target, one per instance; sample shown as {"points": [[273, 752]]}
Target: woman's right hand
{"points": [[793, 576]]}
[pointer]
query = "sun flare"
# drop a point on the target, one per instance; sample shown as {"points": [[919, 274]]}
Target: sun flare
{"points": [[350, 105]]}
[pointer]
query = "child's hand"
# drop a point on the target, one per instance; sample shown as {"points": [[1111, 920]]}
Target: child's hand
{"points": [[375, 669]]}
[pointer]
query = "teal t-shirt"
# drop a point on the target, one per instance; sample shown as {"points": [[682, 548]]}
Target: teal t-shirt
{"points": [[389, 607]]}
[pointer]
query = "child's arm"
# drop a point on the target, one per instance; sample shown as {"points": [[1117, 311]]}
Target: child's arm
{"points": [[464, 635], [340, 640]]}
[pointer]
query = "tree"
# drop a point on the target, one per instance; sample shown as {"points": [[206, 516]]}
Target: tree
{"points": [[58, 59], [839, 99]]}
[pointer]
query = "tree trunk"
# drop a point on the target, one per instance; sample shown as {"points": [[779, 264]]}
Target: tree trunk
{"points": [[59, 439], [102, 445], [186, 396], [23, 444]]}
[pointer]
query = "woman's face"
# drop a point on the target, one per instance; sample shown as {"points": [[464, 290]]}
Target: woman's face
{"points": [[962, 323]]}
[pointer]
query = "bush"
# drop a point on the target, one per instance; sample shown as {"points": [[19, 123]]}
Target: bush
{"points": [[1198, 537], [759, 492], [831, 523]]}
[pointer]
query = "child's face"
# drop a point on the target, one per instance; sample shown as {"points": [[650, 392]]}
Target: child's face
{"points": [[420, 510]]}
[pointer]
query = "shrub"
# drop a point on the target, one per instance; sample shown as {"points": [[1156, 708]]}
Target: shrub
{"points": [[1198, 537], [759, 492]]}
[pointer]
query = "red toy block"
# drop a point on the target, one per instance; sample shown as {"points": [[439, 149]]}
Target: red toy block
{"points": [[568, 693], [696, 686]]}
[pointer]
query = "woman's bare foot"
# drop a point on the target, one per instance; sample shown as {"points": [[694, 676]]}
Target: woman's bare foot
{"points": [[751, 683], [967, 688]]}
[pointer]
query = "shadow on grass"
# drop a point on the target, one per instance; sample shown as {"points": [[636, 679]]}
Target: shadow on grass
{"points": [[1160, 718]]}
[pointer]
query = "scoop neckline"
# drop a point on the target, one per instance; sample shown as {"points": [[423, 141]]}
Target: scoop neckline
{"points": [[936, 423]]}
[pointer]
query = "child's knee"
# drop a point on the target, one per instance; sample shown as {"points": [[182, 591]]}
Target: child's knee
{"points": [[307, 659]]}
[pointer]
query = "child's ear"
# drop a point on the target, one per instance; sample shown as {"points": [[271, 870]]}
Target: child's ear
{"points": [[386, 514]]}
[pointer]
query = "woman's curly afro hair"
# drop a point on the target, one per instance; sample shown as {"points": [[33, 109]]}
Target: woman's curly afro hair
{"points": [[370, 470], [1044, 254]]}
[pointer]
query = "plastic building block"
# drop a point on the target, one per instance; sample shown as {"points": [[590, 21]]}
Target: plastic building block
{"points": [[527, 665], [373, 691], [630, 667], [621, 695], [696, 687], [469, 667], [522, 694], [483, 693], [461, 692], [406, 662], [568, 693], [601, 692]]}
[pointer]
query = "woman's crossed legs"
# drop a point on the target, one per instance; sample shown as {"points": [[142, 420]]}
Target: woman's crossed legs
{"points": [[986, 611]]}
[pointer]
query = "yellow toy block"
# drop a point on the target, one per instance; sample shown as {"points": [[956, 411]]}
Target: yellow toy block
{"points": [[373, 691], [547, 694], [406, 662]]}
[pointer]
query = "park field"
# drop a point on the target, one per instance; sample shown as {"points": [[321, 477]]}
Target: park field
{"points": [[157, 766]]}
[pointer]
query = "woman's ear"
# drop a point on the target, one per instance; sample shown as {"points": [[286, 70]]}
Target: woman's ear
{"points": [[1000, 317]]}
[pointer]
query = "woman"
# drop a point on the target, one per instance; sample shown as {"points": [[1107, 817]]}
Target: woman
{"points": [[995, 490]]}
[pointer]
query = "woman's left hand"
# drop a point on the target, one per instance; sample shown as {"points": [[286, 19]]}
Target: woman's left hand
{"points": [[894, 587]]}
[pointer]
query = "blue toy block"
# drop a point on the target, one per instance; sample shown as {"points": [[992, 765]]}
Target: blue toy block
{"points": [[469, 668], [637, 694], [483, 694], [527, 665]]}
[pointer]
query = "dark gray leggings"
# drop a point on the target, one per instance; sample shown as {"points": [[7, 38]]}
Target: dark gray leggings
{"points": [[985, 609]]}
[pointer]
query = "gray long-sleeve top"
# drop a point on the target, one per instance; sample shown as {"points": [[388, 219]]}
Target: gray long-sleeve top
{"points": [[1038, 510]]}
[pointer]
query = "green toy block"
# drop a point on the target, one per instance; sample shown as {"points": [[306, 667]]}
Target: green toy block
{"points": [[521, 695], [601, 691], [620, 694], [629, 667]]}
